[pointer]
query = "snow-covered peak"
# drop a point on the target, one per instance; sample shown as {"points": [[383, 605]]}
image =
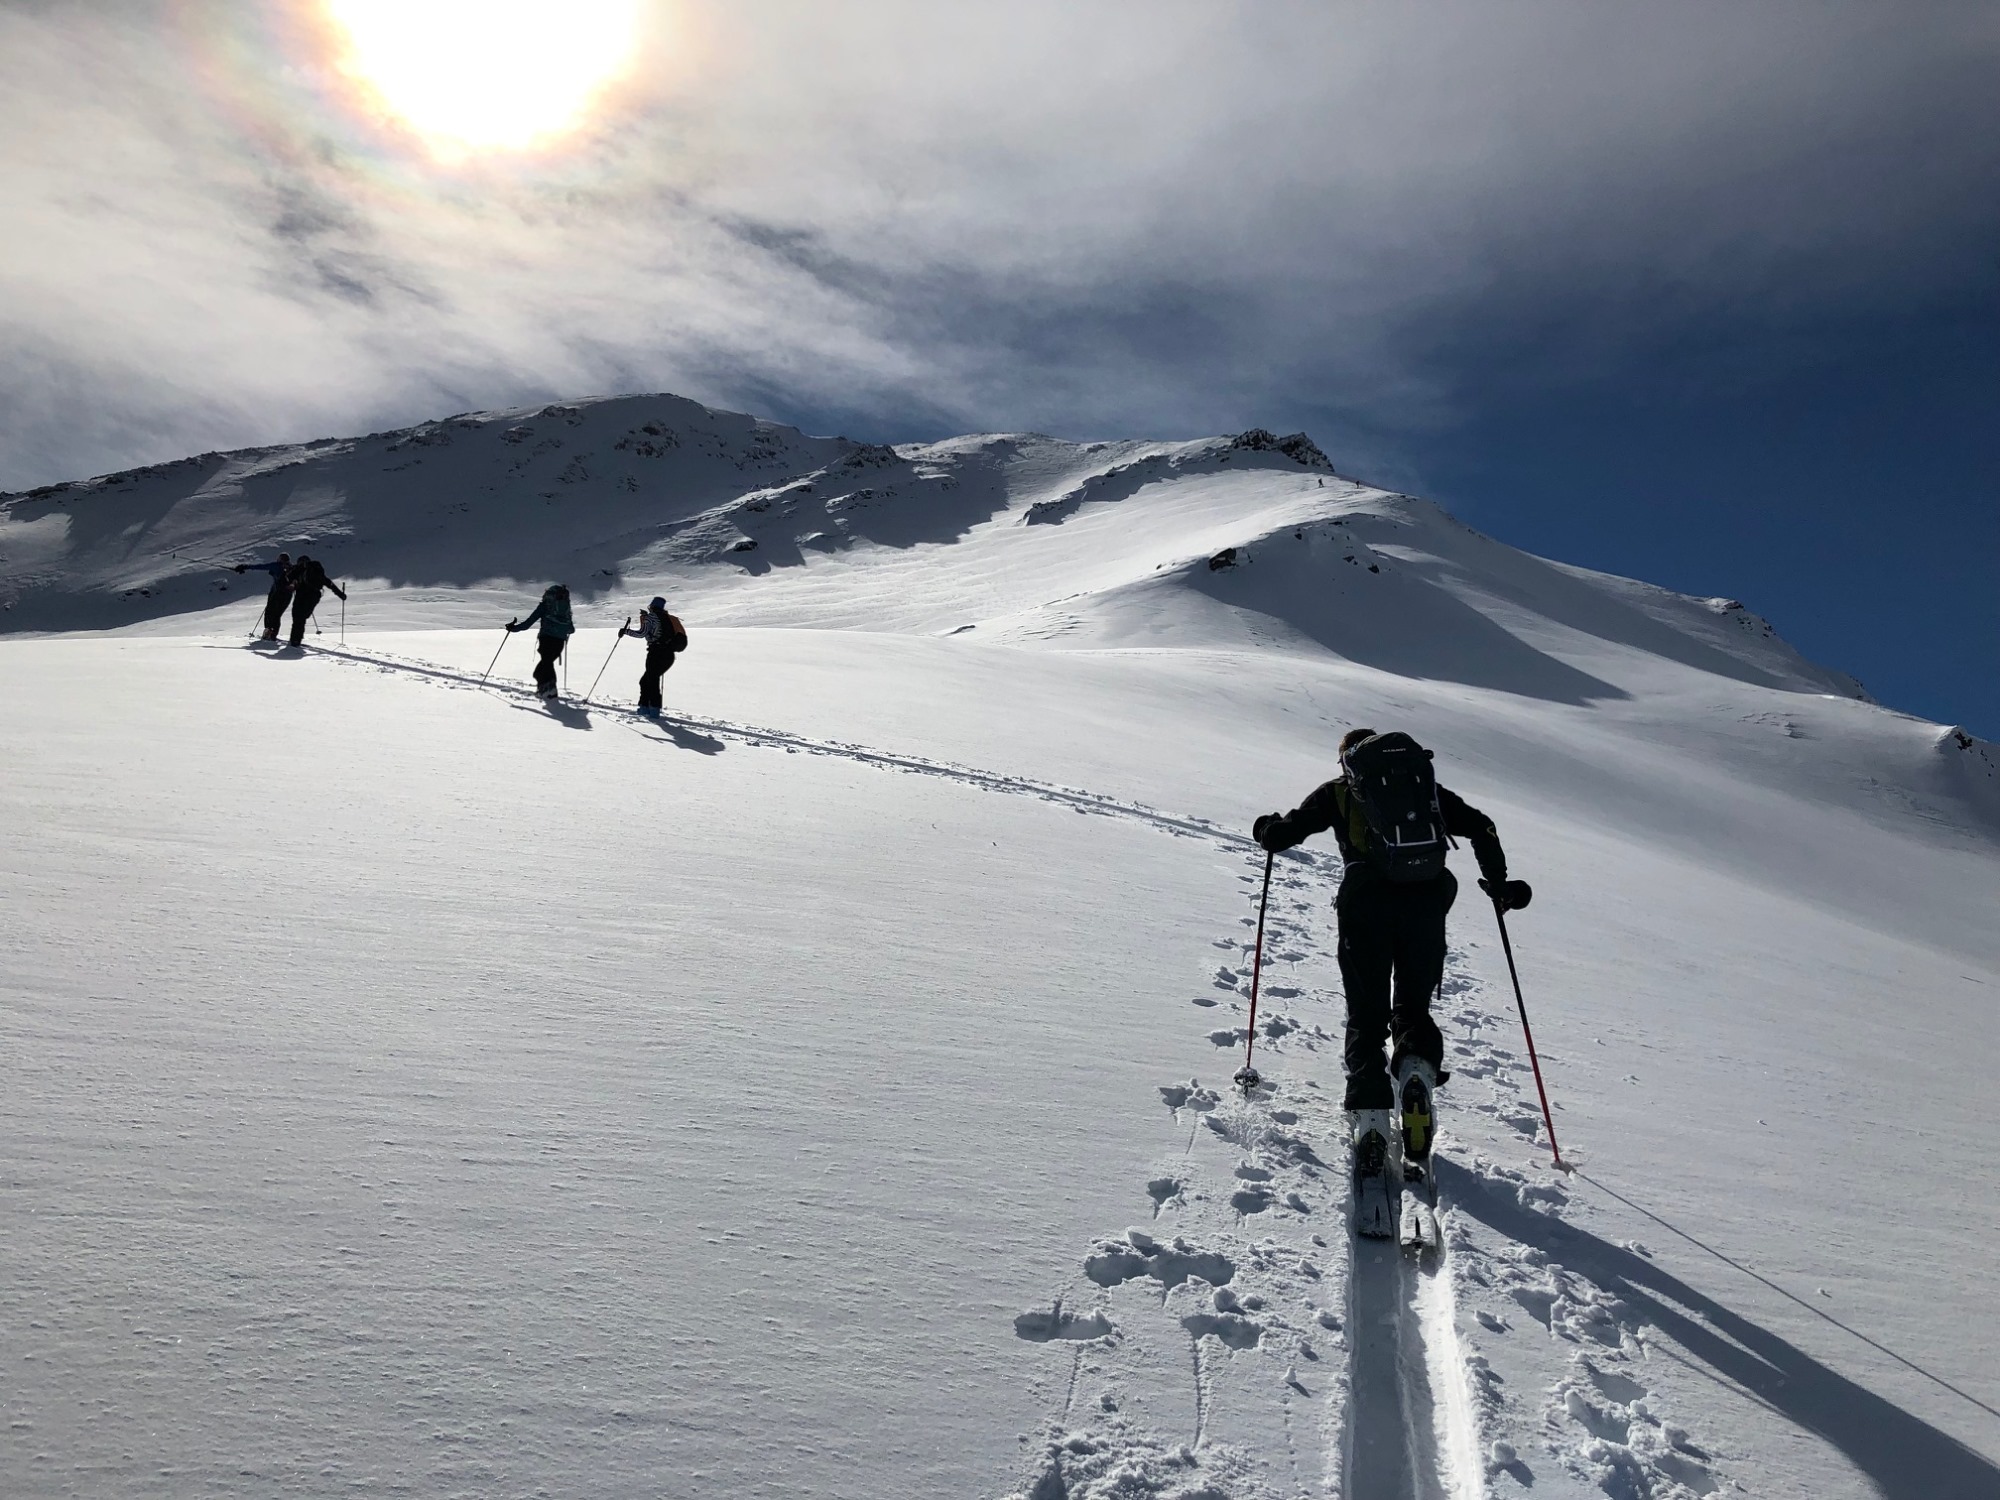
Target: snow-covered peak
{"points": [[1245, 541]]}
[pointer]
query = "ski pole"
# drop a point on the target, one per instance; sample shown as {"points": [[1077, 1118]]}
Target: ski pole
{"points": [[496, 656], [1500, 916], [343, 619], [1247, 1076], [607, 657]]}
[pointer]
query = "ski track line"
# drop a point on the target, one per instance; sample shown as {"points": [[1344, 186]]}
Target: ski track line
{"points": [[1456, 1436], [1403, 1347], [1411, 1432], [749, 734]]}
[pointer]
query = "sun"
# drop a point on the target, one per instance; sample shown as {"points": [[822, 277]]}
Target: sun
{"points": [[474, 76]]}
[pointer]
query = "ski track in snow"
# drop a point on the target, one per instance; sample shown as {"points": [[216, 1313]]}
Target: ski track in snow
{"points": [[689, 730], [1250, 1318], [1380, 1432]]}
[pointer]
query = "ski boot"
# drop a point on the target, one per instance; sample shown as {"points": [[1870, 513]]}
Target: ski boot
{"points": [[1417, 1224], [1374, 1211], [1416, 1081]]}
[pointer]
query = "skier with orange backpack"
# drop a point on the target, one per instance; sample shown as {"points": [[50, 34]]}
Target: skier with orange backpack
{"points": [[665, 637]]}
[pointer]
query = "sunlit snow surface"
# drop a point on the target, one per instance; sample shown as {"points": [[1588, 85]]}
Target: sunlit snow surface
{"points": [[825, 1090]]}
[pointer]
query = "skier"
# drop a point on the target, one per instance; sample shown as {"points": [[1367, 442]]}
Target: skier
{"points": [[281, 590], [557, 628], [664, 635], [1394, 824], [309, 581]]}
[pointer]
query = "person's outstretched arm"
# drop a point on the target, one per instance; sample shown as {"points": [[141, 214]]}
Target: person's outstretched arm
{"points": [[524, 624], [1463, 820], [1278, 832]]}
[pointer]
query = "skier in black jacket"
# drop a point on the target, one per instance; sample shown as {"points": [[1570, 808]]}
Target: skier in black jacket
{"points": [[1392, 937], [281, 590], [309, 581]]}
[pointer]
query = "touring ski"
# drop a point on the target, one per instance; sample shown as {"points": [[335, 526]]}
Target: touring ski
{"points": [[1374, 1197], [1417, 1222]]}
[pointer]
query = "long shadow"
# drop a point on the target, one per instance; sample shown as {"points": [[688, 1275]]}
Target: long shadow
{"points": [[685, 738], [566, 714], [1904, 1456]]}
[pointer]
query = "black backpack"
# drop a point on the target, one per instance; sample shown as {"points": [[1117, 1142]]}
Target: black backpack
{"points": [[1389, 779]]}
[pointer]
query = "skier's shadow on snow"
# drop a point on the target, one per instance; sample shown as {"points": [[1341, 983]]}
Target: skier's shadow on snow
{"points": [[1905, 1457], [683, 738], [565, 714]]}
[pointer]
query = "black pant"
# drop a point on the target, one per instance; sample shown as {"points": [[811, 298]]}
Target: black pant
{"points": [[274, 607], [302, 607], [545, 664], [659, 657], [1391, 963]]}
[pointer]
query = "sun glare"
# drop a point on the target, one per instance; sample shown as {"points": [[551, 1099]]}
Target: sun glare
{"points": [[471, 76]]}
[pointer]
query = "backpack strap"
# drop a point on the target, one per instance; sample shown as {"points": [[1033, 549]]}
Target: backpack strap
{"points": [[1357, 825]]}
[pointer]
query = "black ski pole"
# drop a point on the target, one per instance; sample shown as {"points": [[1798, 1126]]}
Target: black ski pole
{"points": [[496, 655], [343, 619], [607, 657], [1500, 916], [1247, 1077]]}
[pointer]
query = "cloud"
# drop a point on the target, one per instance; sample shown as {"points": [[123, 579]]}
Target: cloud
{"points": [[910, 218]]}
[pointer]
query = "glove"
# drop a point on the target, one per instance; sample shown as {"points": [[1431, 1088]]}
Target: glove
{"points": [[1508, 895], [1264, 831], [512, 626]]}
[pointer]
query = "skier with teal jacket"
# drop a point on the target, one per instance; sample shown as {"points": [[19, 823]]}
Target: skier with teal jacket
{"points": [[557, 627]]}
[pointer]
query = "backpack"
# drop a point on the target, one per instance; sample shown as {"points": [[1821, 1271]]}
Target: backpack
{"points": [[556, 618], [1390, 782], [677, 636]]}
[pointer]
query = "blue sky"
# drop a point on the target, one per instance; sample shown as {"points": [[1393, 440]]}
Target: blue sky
{"points": [[1703, 293], [1847, 487]]}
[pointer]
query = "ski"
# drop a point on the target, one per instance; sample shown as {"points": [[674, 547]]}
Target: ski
{"points": [[1374, 1188], [1417, 1224], [1374, 1207]]}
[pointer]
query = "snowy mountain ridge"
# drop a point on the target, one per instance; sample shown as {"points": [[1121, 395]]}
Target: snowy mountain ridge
{"points": [[824, 1089], [631, 492]]}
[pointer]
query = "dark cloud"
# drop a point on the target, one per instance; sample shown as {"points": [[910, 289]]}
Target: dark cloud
{"points": [[905, 217]]}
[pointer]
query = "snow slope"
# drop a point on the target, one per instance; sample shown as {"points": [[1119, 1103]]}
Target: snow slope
{"points": [[824, 1091]]}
